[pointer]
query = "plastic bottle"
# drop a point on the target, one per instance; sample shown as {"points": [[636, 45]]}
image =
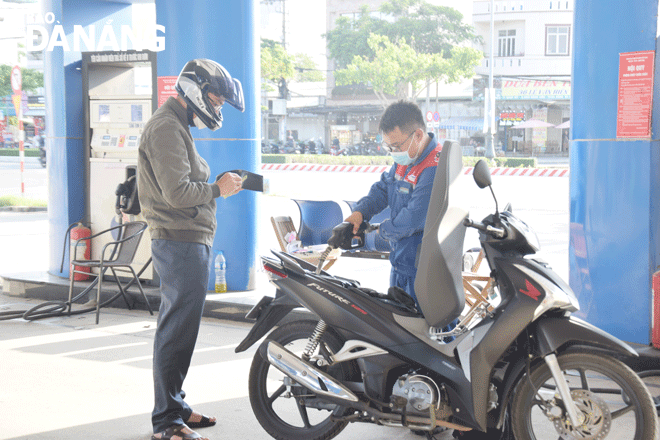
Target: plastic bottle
{"points": [[220, 269]]}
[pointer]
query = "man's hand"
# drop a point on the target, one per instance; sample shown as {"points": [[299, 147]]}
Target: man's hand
{"points": [[229, 184], [356, 219]]}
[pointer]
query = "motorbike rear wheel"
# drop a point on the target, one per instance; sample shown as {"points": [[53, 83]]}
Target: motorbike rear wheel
{"points": [[611, 400], [286, 410]]}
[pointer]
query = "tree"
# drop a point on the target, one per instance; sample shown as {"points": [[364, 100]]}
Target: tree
{"points": [[428, 29], [306, 68], [276, 63], [32, 79], [397, 69]]}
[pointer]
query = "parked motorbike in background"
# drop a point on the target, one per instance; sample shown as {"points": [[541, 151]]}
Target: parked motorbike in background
{"points": [[320, 147], [354, 150], [521, 366], [312, 147], [336, 150], [370, 148], [266, 147], [291, 147]]}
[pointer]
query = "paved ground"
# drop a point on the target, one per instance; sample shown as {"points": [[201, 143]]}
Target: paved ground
{"points": [[66, 378]]}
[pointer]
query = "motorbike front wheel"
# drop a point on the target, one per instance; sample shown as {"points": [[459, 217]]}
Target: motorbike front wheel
{"points": [[611, 400], [285, 409]]}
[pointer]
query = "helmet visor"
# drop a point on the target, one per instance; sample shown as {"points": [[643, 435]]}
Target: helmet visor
{"points": [[234, 96]]}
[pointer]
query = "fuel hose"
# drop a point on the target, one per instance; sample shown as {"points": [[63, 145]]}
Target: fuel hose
{"points": [[55, 308]]}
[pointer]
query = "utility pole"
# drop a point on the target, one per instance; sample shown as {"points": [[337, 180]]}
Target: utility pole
{"points": [[284, 24], [490, 96]]}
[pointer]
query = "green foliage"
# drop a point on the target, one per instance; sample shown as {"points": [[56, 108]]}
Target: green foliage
{"points": [[13, 152], [392, 66], [306, 68], [516, 162], [32, 79], [276, 63], [434, 29], [21, 201], [273, 158], [396, 66]]}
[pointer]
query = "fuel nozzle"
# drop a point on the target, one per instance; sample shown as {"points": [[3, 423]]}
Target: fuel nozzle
{"points": [[344, 238]]}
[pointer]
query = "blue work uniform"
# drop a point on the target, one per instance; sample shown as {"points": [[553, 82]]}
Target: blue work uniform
{"points": [[407, 191]]}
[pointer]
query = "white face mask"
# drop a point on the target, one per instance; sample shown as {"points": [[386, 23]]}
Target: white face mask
{"points": [[403, 157], [198, 122]]}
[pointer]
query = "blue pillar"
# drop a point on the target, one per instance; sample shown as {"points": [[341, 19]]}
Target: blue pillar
{"points": [[64, 107], [614, 183], [223, 32]]}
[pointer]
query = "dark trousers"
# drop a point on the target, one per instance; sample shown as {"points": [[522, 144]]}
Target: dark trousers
{"points": [[184, 272]]}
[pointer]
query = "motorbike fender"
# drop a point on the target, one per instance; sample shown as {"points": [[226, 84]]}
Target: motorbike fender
{"points": [[553, 333], [268, 312]]}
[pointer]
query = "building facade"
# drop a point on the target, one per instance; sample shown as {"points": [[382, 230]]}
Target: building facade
{"points": [[531, 67], [531, 70]]}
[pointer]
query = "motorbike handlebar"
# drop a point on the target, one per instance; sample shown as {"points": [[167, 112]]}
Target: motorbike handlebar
{"points": [[488, 229]]}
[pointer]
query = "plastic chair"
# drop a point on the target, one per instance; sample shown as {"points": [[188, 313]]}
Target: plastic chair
{"points": [[284, 225], [317, 218], [115, 255]]}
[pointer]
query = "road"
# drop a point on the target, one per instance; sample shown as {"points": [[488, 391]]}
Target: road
{"points": [[34, 178]]}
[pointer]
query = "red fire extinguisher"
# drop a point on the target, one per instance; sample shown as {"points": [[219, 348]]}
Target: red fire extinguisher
{"points": [[84, 251]]}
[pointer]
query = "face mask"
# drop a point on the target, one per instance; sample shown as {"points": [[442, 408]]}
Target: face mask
{"points": [[198, 122], [195, 121], [402, 157]]}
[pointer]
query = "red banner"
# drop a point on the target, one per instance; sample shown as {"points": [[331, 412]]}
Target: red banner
{"points": [[635, 94]]}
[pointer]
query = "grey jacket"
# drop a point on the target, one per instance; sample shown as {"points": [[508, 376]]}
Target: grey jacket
{"points": [[176, 199]]}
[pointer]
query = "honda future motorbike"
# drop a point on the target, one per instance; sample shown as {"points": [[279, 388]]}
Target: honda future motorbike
{"points": [[520, 367]]}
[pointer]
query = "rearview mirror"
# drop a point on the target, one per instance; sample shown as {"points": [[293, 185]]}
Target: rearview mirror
{"points": [[481, 174]]}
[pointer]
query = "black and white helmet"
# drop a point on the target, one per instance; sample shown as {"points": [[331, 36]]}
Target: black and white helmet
{"points": [[201, 76]]}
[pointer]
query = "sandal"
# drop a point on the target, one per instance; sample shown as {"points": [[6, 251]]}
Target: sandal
{"points": [[176, 431], [204, 423]]}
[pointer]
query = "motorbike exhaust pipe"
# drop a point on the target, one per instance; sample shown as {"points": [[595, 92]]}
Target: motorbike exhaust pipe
{"points": [[306, 375]]}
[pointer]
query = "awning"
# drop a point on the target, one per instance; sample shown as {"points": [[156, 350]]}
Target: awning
{"points": [[469, 124]]}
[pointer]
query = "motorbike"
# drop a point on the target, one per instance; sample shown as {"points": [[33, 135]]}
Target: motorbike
{"points": [[313, 147], [335, 150], [519, 366], [370, 148]]}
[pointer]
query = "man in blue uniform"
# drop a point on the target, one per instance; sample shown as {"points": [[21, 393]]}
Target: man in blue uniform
{"points": [[405, 188]]}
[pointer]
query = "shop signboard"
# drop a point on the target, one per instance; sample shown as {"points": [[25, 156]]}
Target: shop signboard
{"points": [[511, 118]]}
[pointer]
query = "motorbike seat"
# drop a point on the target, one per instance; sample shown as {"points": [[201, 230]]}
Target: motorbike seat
{"points": [[397, 302], [439, 283]]}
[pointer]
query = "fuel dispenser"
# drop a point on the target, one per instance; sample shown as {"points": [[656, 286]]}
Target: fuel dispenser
{"points": [[119, 96]]}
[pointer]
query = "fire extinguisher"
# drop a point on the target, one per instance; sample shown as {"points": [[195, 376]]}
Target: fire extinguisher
{"points": [[84, 251]]}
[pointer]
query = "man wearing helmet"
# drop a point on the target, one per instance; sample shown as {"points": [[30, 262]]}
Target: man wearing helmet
{"points": [[179, 206]]}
